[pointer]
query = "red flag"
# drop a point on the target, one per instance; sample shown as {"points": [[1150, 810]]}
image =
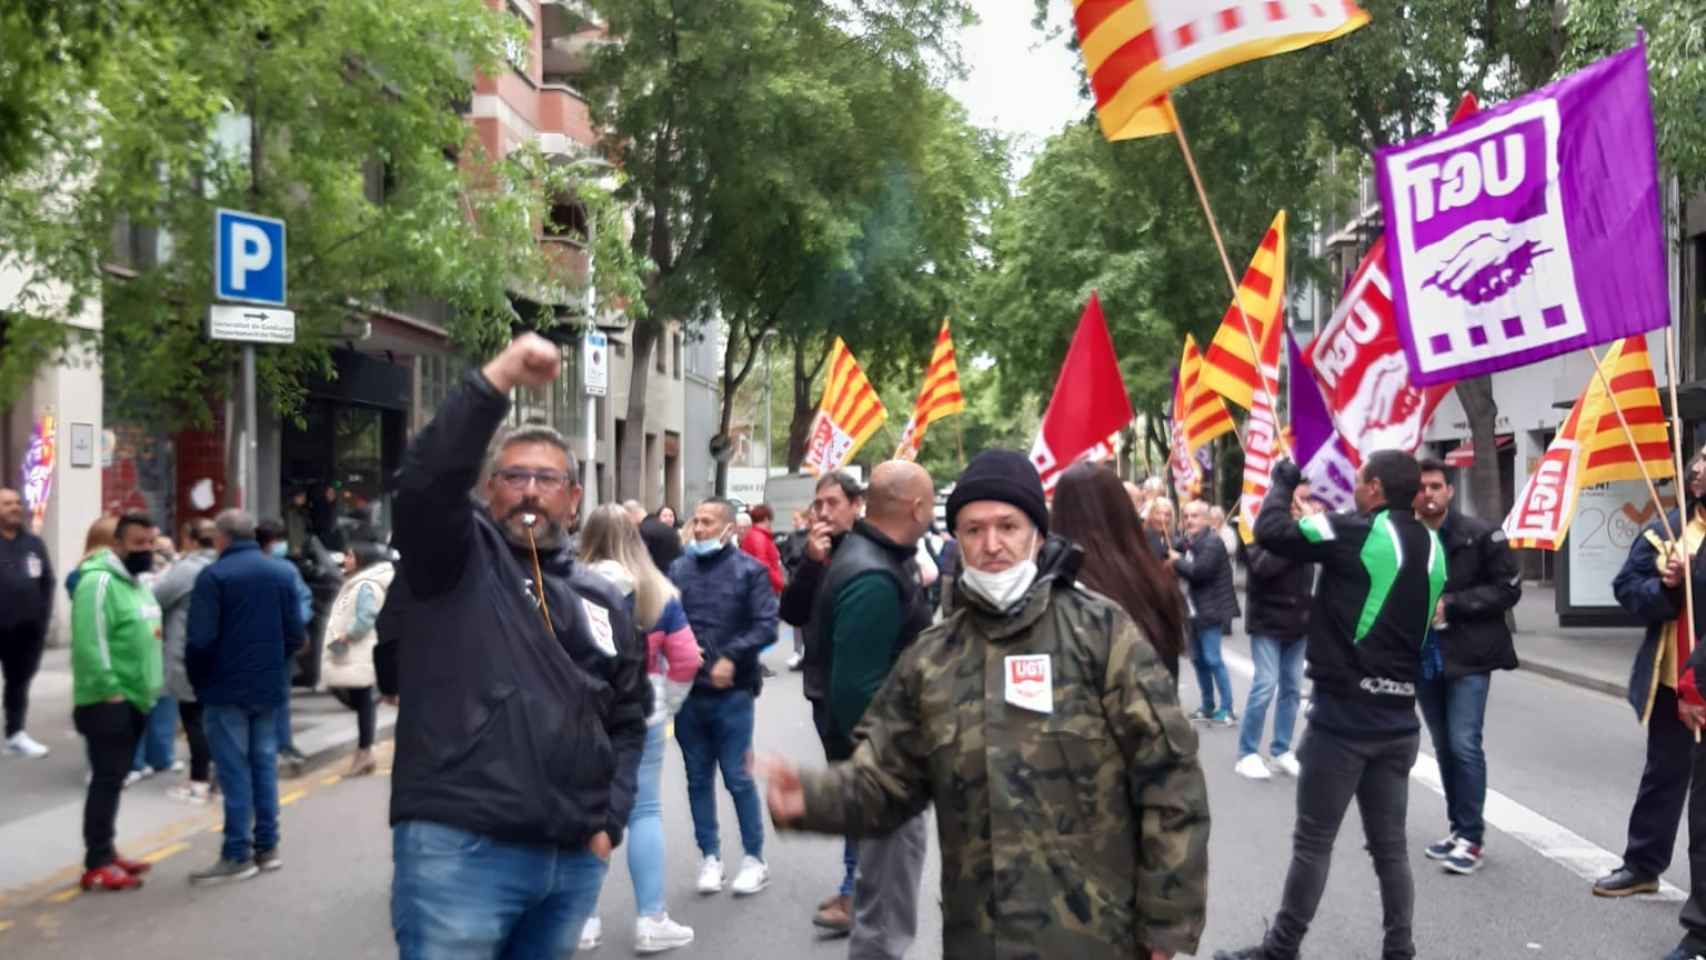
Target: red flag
{"points": [[1090, 403]]}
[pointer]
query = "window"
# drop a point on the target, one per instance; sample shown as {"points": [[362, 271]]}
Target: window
{"points": [[516, 52], [568, 221], [675, 348], [438, 375], [662, 351]]}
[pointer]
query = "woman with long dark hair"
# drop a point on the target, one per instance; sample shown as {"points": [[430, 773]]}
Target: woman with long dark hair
{"points": [[1091, 509]]}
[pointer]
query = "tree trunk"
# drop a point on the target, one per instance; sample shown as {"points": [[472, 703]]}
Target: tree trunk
{"points": [[633, 453], [734, 375], [1482, 413], [801, 423]]}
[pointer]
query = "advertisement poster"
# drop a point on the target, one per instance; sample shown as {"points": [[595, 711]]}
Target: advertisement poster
{"points": [[1608, 519]]}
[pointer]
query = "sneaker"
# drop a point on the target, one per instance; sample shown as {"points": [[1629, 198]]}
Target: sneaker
{"points": [[1681, 953], [1465, 858], [110, 877], [1248, 953], [710, 875], [796, 661], [291, 755], [1224, 718], [592, 934], [1624, 882], [224, 871], [660, 933], [754, 876], [135, 777], [1288, 765], [192, 792], [268, 860], [1441, 849], [835, 915], [135, 868], [178, 766], [1201, 716], [21, 744], [1251, 767]]}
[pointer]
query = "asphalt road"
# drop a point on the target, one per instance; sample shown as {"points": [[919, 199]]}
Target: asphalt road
{"points": [[1565, 761]]}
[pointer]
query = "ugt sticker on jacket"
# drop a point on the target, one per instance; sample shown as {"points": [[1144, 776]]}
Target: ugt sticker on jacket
{"points": [[1530, 229], [1030, 683]]}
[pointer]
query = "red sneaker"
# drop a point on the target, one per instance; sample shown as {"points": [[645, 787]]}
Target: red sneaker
{"points": [[135, 868], [110, 877]]}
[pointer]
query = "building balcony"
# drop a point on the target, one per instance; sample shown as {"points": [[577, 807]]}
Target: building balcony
{"points": [[563, 111]]}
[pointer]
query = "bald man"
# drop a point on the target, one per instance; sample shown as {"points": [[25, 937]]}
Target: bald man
{"points": [[872, 606]]}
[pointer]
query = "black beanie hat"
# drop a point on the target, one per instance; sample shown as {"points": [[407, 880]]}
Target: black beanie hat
{"points": [[1006, 476]]}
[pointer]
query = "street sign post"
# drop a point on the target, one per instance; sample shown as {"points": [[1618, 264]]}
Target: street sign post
{"points": [[596, 353], [248, 268]]}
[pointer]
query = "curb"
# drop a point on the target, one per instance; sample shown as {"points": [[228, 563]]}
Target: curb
{"points": [[1576, 679]]}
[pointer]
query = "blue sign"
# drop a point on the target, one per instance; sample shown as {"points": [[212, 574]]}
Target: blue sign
{"points": [[248, 258]]}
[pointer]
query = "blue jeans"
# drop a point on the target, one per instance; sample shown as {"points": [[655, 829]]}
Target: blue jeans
{"points": [[1277, 664], [159, 739], [715, 729], [1211, 671], [645, 827], [457, 895], [1456, 713], [282, 714], [243, 741]]}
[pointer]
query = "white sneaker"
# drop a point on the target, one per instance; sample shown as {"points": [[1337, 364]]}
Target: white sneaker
{"points": [[135, 777], [192, 792], [592, 934], [660, 933], [1288, 765], [22, 744], [710, 875], [796, 660], [754, 876], [1251, 767]]}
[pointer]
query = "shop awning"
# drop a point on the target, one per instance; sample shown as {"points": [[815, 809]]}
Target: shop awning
{"points": [[1464, 453]]}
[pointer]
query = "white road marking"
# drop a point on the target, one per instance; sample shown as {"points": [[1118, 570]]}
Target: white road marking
{"points": [[1539, 833]]}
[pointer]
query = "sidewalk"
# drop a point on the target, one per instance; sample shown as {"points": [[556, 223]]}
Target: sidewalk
{"points": [[41, 803], [1597, 658]]}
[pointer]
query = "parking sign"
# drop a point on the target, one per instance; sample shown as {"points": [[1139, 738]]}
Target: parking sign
{"points": [[248, 258]]}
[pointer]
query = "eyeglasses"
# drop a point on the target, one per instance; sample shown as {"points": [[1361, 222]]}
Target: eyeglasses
{"points": [[548, 481]]}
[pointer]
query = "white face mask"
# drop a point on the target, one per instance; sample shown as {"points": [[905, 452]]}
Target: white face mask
{"points": [[1003, 588]]}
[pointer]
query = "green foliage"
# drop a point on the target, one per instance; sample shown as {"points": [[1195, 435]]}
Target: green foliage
{"points": [[327, 96]]}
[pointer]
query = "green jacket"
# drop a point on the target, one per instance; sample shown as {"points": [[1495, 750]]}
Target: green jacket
{"points": [[1078, 832], [116, 640]]}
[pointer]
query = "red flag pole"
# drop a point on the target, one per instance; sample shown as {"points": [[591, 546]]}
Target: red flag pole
{"points": [[1681, 498], [1629, 435], [1231, 279]]}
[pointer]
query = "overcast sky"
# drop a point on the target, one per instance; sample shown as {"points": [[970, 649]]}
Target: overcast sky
{"points": [[1021, 82]]}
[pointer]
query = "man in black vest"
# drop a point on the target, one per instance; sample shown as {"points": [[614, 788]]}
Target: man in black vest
{"points": [[869, 609], [838, 503], [522, 684]]}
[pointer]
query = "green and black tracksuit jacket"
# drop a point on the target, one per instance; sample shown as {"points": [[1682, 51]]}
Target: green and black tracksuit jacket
{"points": [[1381, 574]]}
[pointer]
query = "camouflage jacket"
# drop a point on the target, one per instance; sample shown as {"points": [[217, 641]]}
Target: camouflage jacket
{"points": [[1080, 832]]}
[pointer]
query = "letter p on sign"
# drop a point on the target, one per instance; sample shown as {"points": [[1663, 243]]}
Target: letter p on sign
{"points": [[248, 255]]}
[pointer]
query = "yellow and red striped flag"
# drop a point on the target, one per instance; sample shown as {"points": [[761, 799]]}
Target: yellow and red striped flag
{"points": [[1230, 368], [940, 396], [1137, 50], [1606, 454], [1200, 414], [849, 412]]}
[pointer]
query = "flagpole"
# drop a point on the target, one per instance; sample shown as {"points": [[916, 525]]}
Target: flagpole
{"points": [[1629, 435], [1231, 279], [960, 436], [1671, 368]]}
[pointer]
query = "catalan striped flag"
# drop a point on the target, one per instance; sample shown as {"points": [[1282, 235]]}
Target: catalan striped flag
{"points": [[1606, 454], [1137, 50], [1198, 413], [1230, 368], [849, 412], [940, 396]]}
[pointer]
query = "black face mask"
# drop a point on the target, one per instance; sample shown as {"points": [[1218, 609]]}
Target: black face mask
{"points": [[139, 563]]}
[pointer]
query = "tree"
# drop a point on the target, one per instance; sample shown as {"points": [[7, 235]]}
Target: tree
{"points": [[718, 112], [339, 117]]}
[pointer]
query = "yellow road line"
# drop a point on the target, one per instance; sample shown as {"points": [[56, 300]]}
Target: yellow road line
{"points": [[66, 895], [5, 925], [291, 797], [329, 781], [165, 852]]}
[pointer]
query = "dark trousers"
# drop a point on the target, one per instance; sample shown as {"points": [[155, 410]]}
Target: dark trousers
{"points": [[111, 731], [20, 656], [837, 748], [366, 708], [1694, 909], [1663, 791], [201, 759], [1376, 772]]}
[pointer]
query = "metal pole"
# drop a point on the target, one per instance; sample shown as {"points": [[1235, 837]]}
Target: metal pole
{"points": [[769, 383], [591, 451], [251, 448]]}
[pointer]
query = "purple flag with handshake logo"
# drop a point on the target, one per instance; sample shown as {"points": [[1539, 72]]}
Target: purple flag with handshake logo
{"points": [[1530, 229]]}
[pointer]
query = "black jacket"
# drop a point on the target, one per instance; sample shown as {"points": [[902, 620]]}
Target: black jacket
{"points": [[799, 602], [1207, 571], [1278, 592], [1380, 575], [1482, 583], [505, 730], [729, 602], [662, 542], [26, 582]]}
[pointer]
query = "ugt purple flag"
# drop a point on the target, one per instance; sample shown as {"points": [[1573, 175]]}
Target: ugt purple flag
{"points": [[1530, 229], [1321, 452]]}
